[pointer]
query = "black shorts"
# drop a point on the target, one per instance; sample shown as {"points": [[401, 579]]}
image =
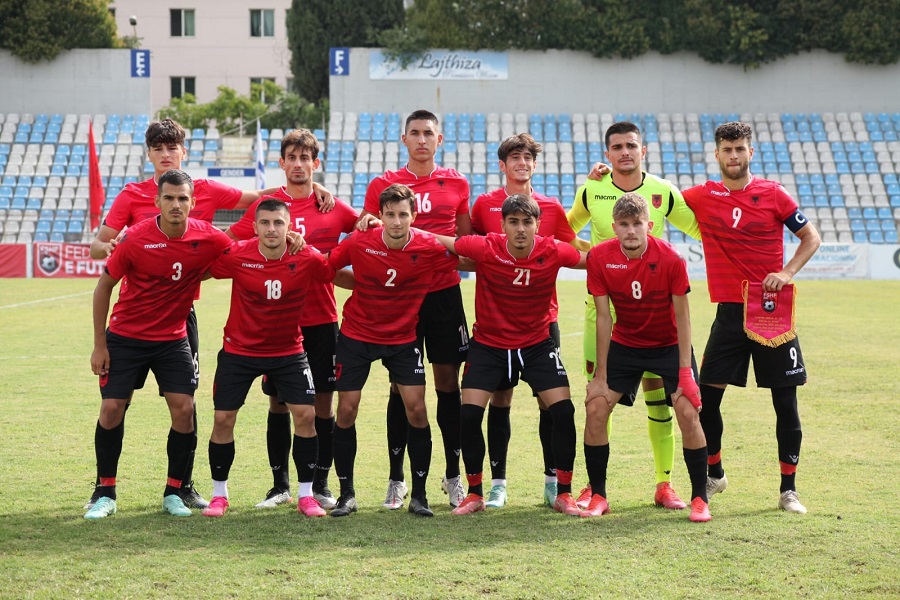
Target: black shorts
{"points": [[491, 369], [726, 359], [319, 341], [290, 376], [625, 368], [131, 359], [442, 329], [354, 359], [557, 341]]}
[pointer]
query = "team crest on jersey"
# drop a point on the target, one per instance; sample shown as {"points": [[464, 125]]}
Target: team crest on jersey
{"points": [[755, 199], [292, 267], [414, 258], [769, 301], [540, 260], [652, 267], [49, 258], [195, 246], [656, 199], [440, 183]]}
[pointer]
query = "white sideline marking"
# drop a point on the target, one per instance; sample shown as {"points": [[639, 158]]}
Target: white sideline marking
{"points": [[45, 300]]}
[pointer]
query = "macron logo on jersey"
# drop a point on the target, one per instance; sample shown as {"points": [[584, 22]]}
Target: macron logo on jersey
{"points": [[716, 193], [252, 265], [496, 209], [154, 246], [376, 252], [615, 266], [503, 260], [603, 197]]}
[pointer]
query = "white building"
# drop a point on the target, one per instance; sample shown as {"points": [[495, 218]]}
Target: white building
{"points": [[198, 45]]}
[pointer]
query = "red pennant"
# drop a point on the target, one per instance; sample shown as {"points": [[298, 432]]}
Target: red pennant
{"points": [[96, 183]]}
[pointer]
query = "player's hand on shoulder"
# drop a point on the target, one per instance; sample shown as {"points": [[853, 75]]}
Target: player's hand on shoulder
{"points": [[324, 198], [296, 243], [368, 221], [598, 171]]}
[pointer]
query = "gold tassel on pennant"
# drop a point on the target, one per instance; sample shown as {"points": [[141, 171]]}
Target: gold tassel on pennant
{"points": [[769, 317]]}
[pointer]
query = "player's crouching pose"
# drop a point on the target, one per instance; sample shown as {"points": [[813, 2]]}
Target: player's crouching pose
{"points": [[647, 282], [394, 267], [516, 277], [263, 337], [163, 260]]}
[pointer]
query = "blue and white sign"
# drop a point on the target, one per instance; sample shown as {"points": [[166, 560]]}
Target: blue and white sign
{"points": [[230, 172], [339, 62], [442, 64], [140, 63]]}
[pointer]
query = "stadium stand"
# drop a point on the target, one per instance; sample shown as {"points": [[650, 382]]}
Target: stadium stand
{"points": [[841, 167]]}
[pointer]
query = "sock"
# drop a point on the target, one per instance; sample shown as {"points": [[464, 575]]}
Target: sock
{"points": [[278, 445], [475, 483], [396, 435], [448, 404], [545, 433], [695, 459], [563, 414], [324, 431], [661, 429], [711, 421], [345, 456], [305, 451], [788, 433], [220, 489], [187, 478], [563, 482], [178, 449], [121, 427], [108, 449], [419, 459], [597, 460], [304, 489], [471, 416], [498, 434], [221, 457]]}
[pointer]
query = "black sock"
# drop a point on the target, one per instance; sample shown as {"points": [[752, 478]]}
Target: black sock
{"points": [[305, 451], [345, 456], [178, 449], [221, 457], [498, 434], [695, 459], [711, 421], [563, 415], [108, 449], [471, 416], [324, 431], [187, 478], [396, 435], [419, 459], [788, 433], [278, 445], [448, 404], [545, 433], [596, 459]]}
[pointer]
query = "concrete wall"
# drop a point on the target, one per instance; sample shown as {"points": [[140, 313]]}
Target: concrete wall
{"points": [[564, 81], [78, 81], [222, 52]]}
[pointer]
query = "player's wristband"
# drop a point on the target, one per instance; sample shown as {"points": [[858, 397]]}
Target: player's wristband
{"points": [[688, 386]]}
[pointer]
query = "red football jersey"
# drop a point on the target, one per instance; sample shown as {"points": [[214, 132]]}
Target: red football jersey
{"points": [[640, 289], [486, 218], [390, 284], [322, 231], [512, 295], [742, 233], [136, 202], [440, 198], [268, 297], [161, 278]]}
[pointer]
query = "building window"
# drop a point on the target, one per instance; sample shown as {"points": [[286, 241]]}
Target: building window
{"points": [[183, 85], [262, 23], [182, 22]]}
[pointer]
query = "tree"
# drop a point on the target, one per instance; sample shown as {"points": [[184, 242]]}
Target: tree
{"points": [[36, 30], [316, 25]]}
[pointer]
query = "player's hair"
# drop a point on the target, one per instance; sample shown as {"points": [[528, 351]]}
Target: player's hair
{"points": [[733, 131], [175, 177], [421, 115], [299, 140], [621, 127], [271, 204], [167, 131], [631, 205], [397, 193], [520, 203], [521, 142]]}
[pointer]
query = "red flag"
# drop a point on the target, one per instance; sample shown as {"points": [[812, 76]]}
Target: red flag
{"points": [[96, 182]]}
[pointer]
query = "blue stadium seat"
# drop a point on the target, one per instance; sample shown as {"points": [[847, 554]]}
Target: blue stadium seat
{"points": [[63, 215], [75, 227], [854, 212], [60, 226], [869, 213], [860, 237], [857, 225], [890, 237], [40, 236], [884, 213], [876, 237], [57, 236]]}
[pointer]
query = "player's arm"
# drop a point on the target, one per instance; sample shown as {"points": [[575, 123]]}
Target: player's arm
{"points": [[447, 241], [463, 224], [581, 245], [578, 216], [102, 295], [343, 278], [248, 197], [296, 243], [687, 386], [810, 240], [682, 217], [598, 170], [324, 198], [597, 387], [104, 243]]}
